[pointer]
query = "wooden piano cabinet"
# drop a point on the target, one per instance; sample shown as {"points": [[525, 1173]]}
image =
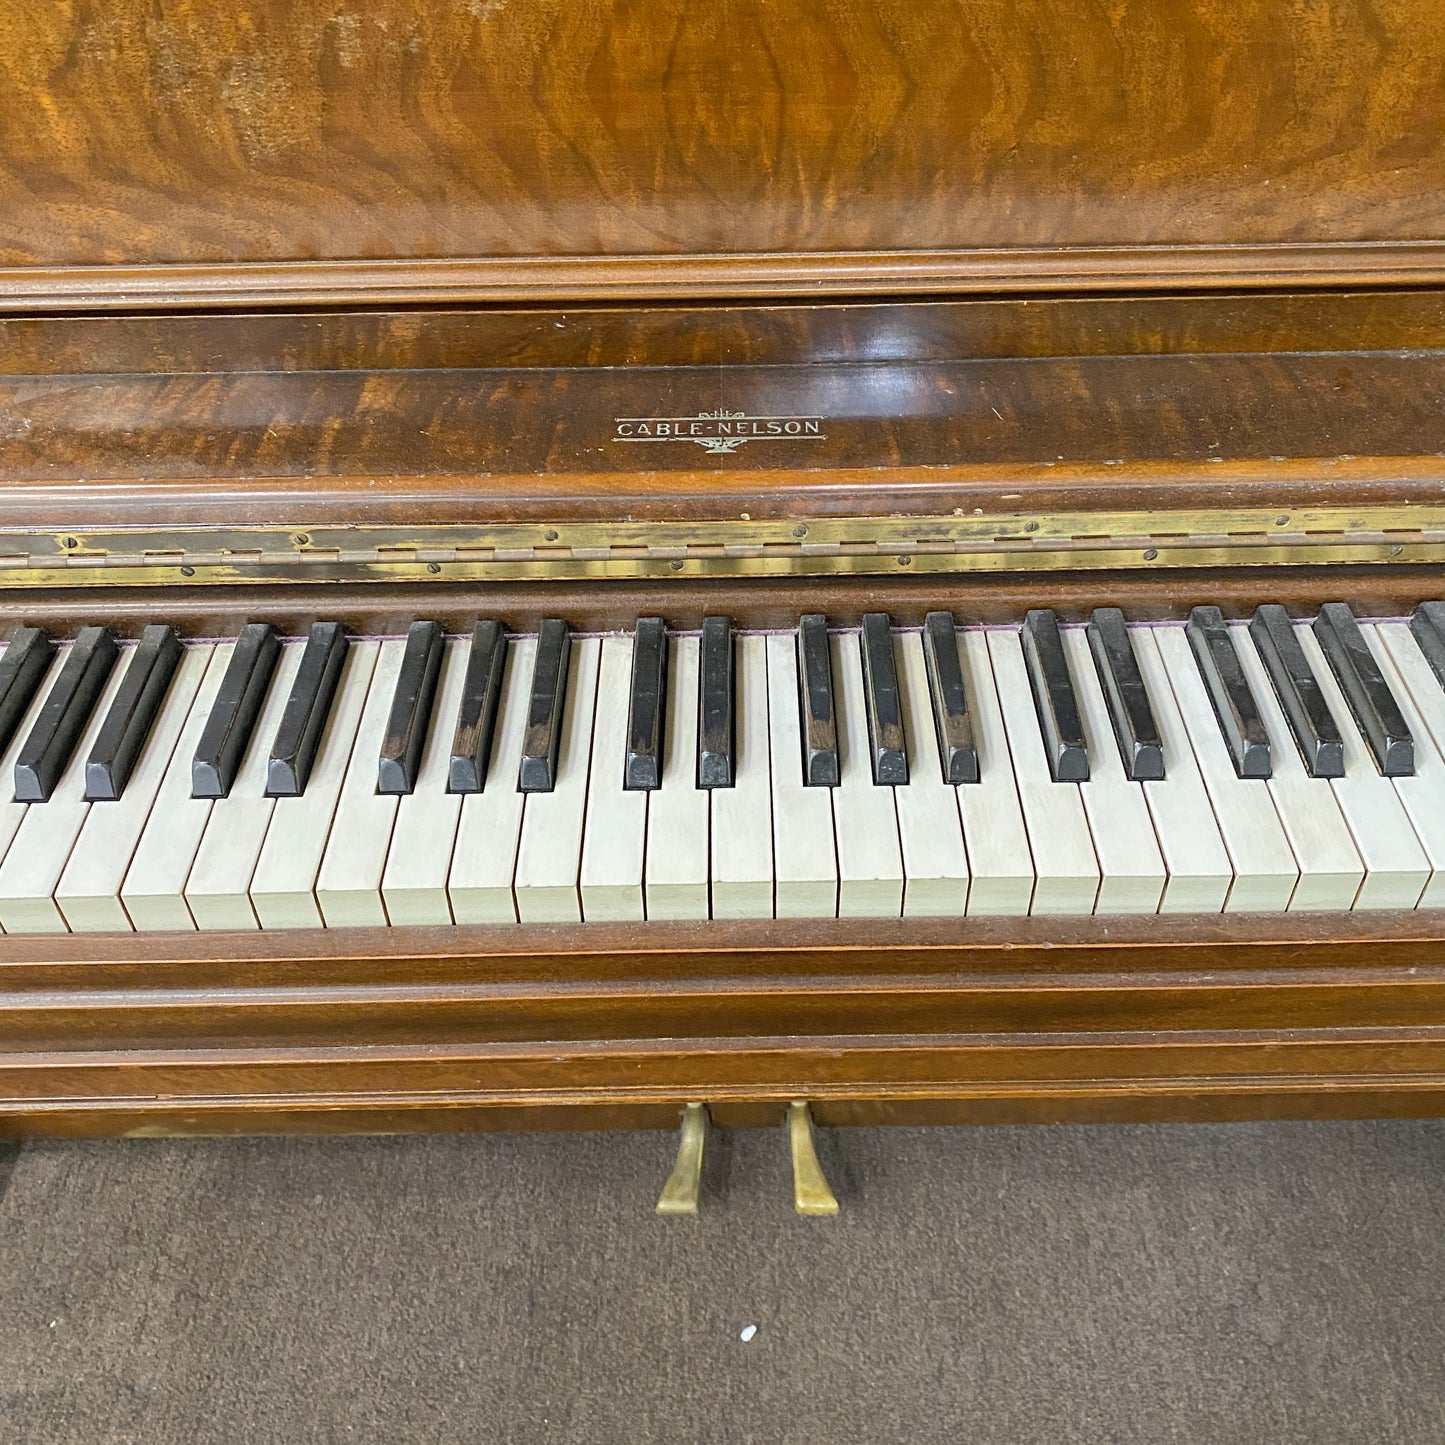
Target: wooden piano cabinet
{"points": [[616, 1025]]}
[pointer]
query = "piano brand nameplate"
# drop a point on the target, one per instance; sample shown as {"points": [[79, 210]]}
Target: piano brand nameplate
{"points": [[719, 433]]}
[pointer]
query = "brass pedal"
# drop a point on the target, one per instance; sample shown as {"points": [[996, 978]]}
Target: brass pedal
{"points": [[811, 1194], [679, 1194]]}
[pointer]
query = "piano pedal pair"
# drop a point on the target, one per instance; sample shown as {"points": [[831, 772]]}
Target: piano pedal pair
{"points": [[811, 1194]]}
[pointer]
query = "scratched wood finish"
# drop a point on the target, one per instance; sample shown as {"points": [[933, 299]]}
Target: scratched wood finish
{"points": [[199, 136], [558, 1027]]}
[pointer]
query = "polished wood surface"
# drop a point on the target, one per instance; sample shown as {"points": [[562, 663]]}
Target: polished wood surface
{"points": [[187, 152]]}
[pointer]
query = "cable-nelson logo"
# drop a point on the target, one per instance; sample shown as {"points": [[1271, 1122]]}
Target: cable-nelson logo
{"points": [[719, 432]]}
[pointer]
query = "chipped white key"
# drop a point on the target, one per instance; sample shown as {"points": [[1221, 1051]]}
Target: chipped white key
{"points": [[485, 858], [1065, 865], [1130, 863], [616, 830], [677, 812], [994, 831], [47, 833], [217, 889], [804, 856], [414, 886], [348, 883], [283, 887], [741, 817], [1265, 871], [935, 862], [1197, 862], [88, 893], [549, 858], [1396, 868], [1330, 868]]}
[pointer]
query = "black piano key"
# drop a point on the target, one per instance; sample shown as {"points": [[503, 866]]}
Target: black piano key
{"points": [[1298, 690], [1054, 699], [22, 669], [543, 735], [411, 704], [481, 693], [957, 752], [815, 703], [233, 715], [1126, 696], [1234, 704], [302, 724], [63, 716], [715, 722], [885, 708], [1365, 689], [1427, 624], [132, 713], [647, 701]]}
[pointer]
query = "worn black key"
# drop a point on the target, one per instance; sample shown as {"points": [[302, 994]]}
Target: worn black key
{"points": [[304, 721], [1054, 699], [1427, 625], [543, 735], [132, 713], [1126, 696], [22, 669], [647, 700], [1229, 693], [63, 716], [1365, 689], [815, 703], [1298, 690], [957, 752], [411, 703], [233, 715], [885, 708], [716, 730], [481, 693]]}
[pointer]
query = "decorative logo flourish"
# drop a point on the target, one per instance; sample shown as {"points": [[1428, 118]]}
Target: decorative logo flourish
{"points": [[719, 433]]}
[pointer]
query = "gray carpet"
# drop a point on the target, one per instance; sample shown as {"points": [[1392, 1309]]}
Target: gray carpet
{"points": [[1251, 1283]]}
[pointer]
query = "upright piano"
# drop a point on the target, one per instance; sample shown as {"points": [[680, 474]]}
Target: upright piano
{"points": [[575, 564]]}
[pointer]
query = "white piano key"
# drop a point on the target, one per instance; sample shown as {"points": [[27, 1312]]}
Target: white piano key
{"points": [[1265, 871], [1423, 792], [935, 862], [995, 834], [1065, 865], [47, 833], [153, 891], [348, 883], [414, 886], [741, 817], [805, 858], [283, 887], [217, 889], [480, 882], [1131, 866], [1396, 868], [88, 893], [549, 856], [1330, 868], [1195, 858], [677, 812], [616, 830], [12, 813], [865, 817]]}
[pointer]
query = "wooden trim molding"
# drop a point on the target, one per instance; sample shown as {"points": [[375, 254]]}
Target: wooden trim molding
{"points": [[463, 280]]}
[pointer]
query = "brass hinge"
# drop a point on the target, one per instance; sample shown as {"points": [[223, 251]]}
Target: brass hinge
{"points": [[511, 551]]}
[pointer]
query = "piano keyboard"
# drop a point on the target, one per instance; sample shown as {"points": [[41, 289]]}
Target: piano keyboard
{"points": [[1257, 765]]}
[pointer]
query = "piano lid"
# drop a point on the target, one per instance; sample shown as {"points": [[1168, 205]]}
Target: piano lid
{"points": [[154, 153]]}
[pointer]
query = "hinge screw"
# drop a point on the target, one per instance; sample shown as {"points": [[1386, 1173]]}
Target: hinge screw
{"points": [[433, 567], [801, 530], [188, 571], [301, 539], [1151, 554], [70, 543]]}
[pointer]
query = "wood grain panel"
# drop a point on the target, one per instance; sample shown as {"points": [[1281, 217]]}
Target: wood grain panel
{"points": [[204, 136]]}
